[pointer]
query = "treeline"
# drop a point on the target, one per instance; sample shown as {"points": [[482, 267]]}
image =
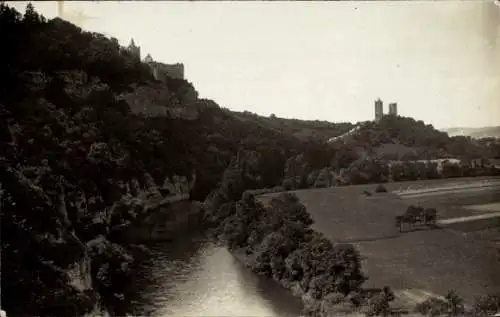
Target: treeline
{"points": [[35, 43], [452, 305], [376, 171], [300, 175]]}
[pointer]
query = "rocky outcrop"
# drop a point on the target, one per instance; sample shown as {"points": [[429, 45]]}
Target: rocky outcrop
{"points": [[296, 172], [159, 100], [72, 179], [60, 269], [149, 100], [138, 209], [321, 178]]}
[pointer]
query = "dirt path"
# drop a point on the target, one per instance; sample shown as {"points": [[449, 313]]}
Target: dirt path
{"points": [[468, 218], [492, 207], [442, 191]]}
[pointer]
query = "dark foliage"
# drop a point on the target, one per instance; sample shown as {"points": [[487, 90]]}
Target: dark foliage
{"points": [[380, 189], [283, 246]]}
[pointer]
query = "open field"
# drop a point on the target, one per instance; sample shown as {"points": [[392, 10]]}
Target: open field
{"points": [[428, 260]]}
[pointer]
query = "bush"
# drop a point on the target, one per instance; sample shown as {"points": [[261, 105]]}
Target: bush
{"points": [[381, 189], [432, 307], [487, 305]]}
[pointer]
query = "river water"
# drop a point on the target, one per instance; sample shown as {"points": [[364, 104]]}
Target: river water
{"points": [[195, 277]]}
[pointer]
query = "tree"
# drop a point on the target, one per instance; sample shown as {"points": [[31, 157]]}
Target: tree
{"points": [[487, 305], [455, 304], [381, 304], [30, 15], [380, 189], [432, 307]]}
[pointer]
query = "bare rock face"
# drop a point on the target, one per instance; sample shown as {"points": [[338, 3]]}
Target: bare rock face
{"points": [[37, 81], [62, 257], [149, 100], [324, 178], [158, 100], [296, 172], [178, 186], [99, 151], [79, 274], [80, 87]]}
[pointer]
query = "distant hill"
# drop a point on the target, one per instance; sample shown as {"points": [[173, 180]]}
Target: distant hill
{"points": [[402, 138], [302, 129], [485, 132]]}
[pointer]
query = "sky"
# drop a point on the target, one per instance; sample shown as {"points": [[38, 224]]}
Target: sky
{"points": [[439, 60]]}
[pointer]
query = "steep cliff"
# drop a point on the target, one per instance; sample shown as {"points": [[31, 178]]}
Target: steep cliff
{"points": [[68, 184], [75, 165]]}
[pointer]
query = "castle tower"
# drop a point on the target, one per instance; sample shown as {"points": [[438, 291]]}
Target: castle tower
{"points": [[136, 50], [148, 59], [393, 108], [379, 110]]}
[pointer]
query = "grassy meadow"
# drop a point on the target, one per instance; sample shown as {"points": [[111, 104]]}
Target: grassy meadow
{"points": [[426, 260]]}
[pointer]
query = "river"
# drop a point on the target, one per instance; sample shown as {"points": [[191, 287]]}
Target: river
{"points": [[195, 277]]}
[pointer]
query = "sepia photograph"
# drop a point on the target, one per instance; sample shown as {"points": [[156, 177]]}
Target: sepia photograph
{"points": [[250, 158]]}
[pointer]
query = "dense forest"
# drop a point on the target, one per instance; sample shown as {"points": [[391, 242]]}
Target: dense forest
{"points": [[71, 151]]}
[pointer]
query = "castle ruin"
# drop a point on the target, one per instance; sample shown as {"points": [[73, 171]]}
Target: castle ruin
{"points": [[160, 71], [393, 109], [379, 109]]}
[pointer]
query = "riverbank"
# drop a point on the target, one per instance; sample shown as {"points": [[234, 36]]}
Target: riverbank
{"points": [[194, 276], [277, 242], [164, 223], [312, 306]]}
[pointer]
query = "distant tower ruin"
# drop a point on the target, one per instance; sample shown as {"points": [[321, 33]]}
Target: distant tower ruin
{"points": [[379, 110], [393, 109], [136, 50]]}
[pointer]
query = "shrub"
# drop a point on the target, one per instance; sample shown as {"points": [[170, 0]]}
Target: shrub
{"points": [[431, 307], [487, 305], [381, 189]]}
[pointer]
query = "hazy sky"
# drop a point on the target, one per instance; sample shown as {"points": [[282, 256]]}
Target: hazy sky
{"points": [[321, 60]]}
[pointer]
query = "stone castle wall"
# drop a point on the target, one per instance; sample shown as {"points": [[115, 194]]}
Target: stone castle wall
{"points": [[161, 71]]}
